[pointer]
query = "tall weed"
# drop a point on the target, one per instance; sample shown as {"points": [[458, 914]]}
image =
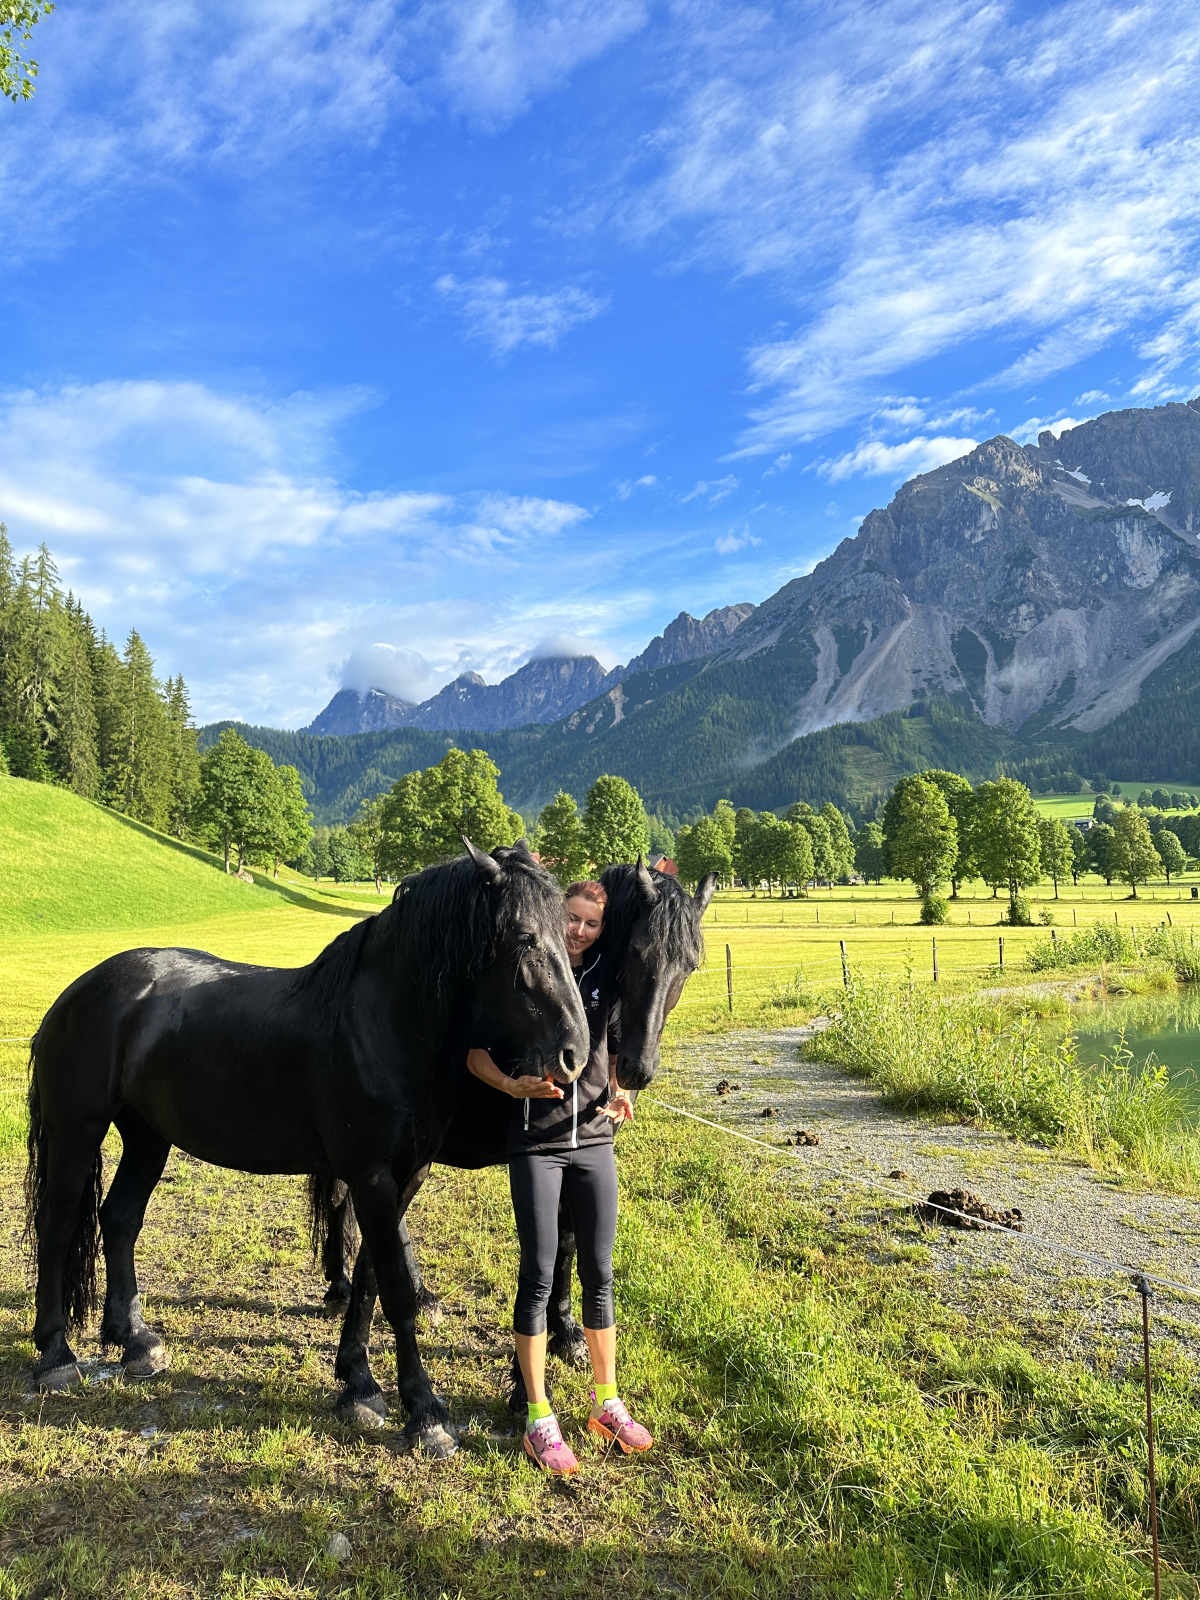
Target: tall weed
{"points": [[1085, 947], [969, 1056]]}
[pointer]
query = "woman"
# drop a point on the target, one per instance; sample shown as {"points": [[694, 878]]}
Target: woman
{"points": [[563, 1141]]}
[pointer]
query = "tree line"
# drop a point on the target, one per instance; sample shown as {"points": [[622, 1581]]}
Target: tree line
{"points": [[937, 831]]}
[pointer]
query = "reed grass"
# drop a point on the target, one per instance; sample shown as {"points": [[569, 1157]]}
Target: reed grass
{"points": [[973, 1056]]}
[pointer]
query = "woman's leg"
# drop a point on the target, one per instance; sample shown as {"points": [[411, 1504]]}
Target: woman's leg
{"points": [[536, 1184], [591, 1184]]}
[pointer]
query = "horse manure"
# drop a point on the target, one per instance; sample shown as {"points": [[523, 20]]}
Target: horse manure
{"points": [[942, 1203], [769, 1111], [725, 1087], [803, 1136], [899, 1172]]}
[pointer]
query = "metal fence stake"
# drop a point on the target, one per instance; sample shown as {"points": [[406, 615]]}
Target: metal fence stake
{"points": [[845, 965], [935, 971], [729, 976], [1143, 1288], [1002, 953]]}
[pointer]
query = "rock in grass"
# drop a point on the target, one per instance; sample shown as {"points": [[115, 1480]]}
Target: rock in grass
{"points": [[338, 1548]]}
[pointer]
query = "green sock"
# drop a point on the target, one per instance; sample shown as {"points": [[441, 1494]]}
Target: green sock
{"points": [[605, 1391], [538, 1409]]}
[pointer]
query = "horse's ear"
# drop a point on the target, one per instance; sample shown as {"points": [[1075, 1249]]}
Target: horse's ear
{"points": [[646, 885], [487, 864], [705, 890], [523, 846]]}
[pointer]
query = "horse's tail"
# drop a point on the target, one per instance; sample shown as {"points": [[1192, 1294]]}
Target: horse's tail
{"points": [[329, 1210], [80, 1288]]}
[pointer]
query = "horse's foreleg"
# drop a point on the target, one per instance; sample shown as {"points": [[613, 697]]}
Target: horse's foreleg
{"points": [[567, 1340], [143, 1156], [361, 1398], [380, 1207]]}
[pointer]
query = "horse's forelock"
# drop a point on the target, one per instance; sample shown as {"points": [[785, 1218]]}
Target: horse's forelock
{"points": [[674, 920]]}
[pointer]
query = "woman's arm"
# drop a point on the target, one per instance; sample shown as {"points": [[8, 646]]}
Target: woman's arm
{"points": [[481, 1065]]}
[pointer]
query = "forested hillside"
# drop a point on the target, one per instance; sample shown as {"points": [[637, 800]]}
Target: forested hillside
{"points": [[77, 712]]}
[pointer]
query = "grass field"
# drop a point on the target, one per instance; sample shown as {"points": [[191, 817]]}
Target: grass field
{"points": [[827, 1424], [1067, 806]]}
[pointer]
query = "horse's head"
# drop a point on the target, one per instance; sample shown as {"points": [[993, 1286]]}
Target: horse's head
{"points": [[527, 992], [654, 929]]}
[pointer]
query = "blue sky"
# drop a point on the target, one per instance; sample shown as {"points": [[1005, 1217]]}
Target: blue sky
{"points": [[352, 341]]}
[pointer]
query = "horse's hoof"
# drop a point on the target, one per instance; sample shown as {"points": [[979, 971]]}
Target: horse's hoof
{"points": [[436, 1441], [369, 1411], [146, 1363], [57, 1378], [572, 1351], [337, 1296]]}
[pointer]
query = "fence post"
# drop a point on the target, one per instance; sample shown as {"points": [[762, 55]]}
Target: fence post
{"points": [[729, 976], [1074, 918], [1170, 924], [935, 972], [818, 916], [1001, 952], [845, 965], [1053, 937], [1143, 1288]]}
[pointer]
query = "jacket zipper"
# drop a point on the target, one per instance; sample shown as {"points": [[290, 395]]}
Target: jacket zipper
{"points": [[527, 1116], [575, 1115]]}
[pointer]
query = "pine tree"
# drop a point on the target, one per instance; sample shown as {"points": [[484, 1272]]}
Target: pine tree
{"points": [[76, 748], [183, 757], [139, 780]]}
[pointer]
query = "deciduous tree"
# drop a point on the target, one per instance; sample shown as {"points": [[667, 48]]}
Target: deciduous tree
{"points": [[1007, 846], [701, 848], [1132, 856], [560, 841], [1170, 853], [614, 822], [1054, 840], [920, 835]]}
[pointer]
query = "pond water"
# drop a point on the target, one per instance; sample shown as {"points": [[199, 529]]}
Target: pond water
{"points": [[1167, 1025]]}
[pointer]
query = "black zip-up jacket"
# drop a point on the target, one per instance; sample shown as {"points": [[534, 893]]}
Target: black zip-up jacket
{"points": [[576, 1119]]}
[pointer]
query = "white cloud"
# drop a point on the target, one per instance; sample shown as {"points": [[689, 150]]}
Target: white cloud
{"points": [[506, 320], [734, 540], [555, 645], [920, 179], [399, 672], [624, 490], [1091, 397], [714, 492], [207, 521], [1027, 432], [780, 464], [875, 459]]}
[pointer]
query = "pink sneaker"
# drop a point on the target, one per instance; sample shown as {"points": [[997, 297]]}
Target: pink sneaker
{"points": [[544, 1446], [613, 1423]]}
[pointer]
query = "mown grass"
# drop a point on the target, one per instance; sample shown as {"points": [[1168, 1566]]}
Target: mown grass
{"points": [[991, 1061], [824, 1426]]}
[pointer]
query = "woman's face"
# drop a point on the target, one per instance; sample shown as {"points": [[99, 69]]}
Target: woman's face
{"points": [[584, 922]]}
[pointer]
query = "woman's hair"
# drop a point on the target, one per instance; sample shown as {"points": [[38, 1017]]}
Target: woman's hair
{"points": [[587, 889]]}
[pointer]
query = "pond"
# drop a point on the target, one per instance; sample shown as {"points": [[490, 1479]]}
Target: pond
{"points": [[1168, 1025]]}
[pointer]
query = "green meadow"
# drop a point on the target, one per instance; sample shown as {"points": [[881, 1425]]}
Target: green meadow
{"points": [[829, 1422]]}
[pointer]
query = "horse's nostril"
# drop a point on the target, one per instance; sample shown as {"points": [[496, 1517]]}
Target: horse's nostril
{"points": [[567, 1058]]}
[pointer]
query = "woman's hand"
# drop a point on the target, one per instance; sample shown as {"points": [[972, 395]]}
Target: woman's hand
{"points": [[619, 1107], [533, 1089]]}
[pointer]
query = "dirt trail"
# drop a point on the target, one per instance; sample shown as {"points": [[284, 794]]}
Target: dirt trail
{"points": [[1059, 1199]]}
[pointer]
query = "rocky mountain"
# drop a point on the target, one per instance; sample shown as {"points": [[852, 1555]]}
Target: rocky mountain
{"points": [[351, 712], [540, 691], [686, 639], [1044, 582]]}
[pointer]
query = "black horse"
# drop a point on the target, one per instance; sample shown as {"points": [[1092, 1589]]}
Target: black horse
{"points": [[352, 1067], [652, 930]]}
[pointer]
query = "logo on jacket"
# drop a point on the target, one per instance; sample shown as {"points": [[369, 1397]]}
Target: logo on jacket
{"points": [[595, 997]]}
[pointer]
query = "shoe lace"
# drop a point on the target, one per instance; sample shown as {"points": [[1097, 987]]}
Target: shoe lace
{"points": [[547, 1433], [616, 1409]]}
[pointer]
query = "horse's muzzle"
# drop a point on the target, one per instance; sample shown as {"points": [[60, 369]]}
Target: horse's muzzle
{"points": [[567, 1068]]}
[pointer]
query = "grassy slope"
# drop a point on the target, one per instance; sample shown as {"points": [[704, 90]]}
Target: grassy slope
{"points": [[71, 866]]}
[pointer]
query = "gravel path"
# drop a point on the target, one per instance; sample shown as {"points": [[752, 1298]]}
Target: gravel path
{"points": [[1060, 1199]]}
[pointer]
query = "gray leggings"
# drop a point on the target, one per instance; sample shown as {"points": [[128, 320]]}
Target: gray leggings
{"points": [[588, 1179]]}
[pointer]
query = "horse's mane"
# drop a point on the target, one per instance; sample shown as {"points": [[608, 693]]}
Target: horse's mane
{"points": [[674, 922], [440, 923]]}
